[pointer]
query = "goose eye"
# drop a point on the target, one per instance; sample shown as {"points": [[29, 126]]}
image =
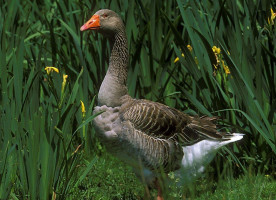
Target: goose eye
{"points": [[105, 15]]}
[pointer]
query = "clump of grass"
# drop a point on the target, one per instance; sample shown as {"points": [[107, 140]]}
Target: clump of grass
{"points": [[246, 187], [111, 179]]}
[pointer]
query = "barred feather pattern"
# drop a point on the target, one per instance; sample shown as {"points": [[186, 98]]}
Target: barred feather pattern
{"points": [[160, 121], [132, 145], [153, 153], [119, 56]]}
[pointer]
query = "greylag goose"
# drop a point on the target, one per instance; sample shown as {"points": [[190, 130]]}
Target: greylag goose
{"points": [[149, 136]]}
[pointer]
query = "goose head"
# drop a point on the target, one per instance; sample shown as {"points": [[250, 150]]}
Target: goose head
{"points": [[105, 22]]}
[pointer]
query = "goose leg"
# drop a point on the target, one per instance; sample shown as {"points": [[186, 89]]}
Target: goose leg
{"points": [[159, 190]]}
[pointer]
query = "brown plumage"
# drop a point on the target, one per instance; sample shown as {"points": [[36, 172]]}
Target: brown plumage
{"points": [[161, 121]]}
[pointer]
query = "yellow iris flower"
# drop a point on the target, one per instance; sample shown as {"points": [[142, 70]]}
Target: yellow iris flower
{"points": [[82, 107], [273, 16], [217, 52], [65, 78], [190, 49], [51, 69]]}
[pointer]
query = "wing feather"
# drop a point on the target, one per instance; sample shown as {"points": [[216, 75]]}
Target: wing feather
{"points": [[160, 121]]}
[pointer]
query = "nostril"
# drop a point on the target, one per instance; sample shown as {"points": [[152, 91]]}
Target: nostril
{"points": [[92, 21]]}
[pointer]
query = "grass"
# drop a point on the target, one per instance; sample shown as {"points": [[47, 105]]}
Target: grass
{"points": [[111, 179], [47, 143], [256, 187]]}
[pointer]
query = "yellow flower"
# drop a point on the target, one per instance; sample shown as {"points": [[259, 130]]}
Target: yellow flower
{"points": [[63, 83], [65, 78], [216, 50], [273, 15], [225, 67], [177, 59], [82, 107], [189, 47], [219, 59], [51, 69], [215, 66]]}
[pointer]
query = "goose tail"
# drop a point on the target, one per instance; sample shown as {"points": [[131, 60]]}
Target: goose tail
{"points": [[231, 137]]}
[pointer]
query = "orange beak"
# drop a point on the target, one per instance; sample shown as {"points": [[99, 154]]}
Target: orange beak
{"points": [[92, 24]]}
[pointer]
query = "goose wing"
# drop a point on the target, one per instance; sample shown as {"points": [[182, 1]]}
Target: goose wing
{"points": [[161, 121]]}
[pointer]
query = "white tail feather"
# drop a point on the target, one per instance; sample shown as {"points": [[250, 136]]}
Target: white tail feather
{"points": [[200, 154], [232, 138], [236, 137]]}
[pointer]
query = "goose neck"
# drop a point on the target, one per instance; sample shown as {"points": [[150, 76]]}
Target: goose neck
{"points": [[118, 62], [113, 86]]}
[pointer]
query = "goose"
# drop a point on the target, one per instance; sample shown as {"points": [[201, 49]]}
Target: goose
{"points": [[149, 136]]}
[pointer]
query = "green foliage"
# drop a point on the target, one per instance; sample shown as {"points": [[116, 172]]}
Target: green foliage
{"points": [[257, 187], [47, 143], [111, 175], [246, 97], [109, 178]]}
